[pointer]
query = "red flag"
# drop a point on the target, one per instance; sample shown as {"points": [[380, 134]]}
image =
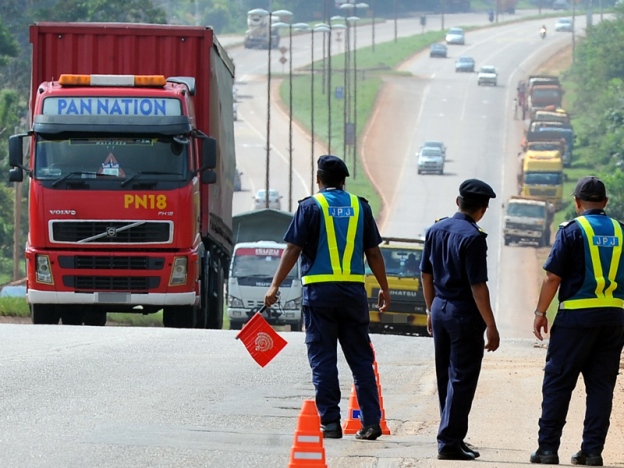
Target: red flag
{"points": [[262, 342]]}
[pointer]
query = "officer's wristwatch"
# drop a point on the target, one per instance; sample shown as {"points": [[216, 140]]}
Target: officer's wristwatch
{"points": [[539, 314], [428, 312]]}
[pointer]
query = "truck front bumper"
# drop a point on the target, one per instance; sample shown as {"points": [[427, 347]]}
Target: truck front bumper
{"points": [[154, 299], [523, 234], [273, 316]]}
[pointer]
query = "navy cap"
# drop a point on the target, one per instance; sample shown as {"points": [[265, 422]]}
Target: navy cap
{"points": [[475, 189], [333, 164], [590, 189]]}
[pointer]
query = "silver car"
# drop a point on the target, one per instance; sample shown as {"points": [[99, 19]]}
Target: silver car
{"points": [[455, 36], [435, 144], [430, 160], [274, 200]]}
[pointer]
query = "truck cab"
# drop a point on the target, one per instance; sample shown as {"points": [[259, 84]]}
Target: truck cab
{"points": [[528, 219], [407, 312], [542, 177], [252, 269]]}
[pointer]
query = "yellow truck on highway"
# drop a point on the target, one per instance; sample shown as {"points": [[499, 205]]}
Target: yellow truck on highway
{"points": [[542, 176], [407, 312]]}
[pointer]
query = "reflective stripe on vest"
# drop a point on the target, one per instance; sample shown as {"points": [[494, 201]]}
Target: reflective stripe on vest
{"points": [[341, 269], [604, 297]]}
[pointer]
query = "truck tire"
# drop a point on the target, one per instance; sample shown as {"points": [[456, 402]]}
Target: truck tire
{"points": [[72, 317], [94, 318], [236, 325], [179, 316], [215, 295], [44, 314], [297, 326], [202, 308], [507, 240]]}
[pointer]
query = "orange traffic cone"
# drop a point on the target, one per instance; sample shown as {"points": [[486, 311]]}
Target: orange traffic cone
{"points": [[385, 430], [353, 423], [307, 449]]}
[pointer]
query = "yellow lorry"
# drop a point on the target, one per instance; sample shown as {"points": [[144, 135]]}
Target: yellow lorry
{"points": [[407, 312], [542, 176]]}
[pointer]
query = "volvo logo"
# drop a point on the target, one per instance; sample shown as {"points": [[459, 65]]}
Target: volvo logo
{"points": [[111, 232]]}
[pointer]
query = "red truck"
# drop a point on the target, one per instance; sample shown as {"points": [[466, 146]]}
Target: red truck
{"points": [[131, 165]]}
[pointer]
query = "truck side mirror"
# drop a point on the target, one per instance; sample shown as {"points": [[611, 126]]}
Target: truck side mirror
{"points": [[16, 150], [209, 154], [208, 177], [16, 175]]}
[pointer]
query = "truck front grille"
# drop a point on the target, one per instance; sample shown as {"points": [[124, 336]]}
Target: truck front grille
{"points": [[109, 283], [94, 262], [112, 232]]}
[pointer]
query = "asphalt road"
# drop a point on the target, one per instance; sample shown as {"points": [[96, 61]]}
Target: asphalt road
{"points": [[139, 397]]}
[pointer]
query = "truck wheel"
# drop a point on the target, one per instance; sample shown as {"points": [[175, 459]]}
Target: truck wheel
{"points": [[296, 326], [236, 325], [507, 240], [202, 308], [44, 314], [95, 319], [72, 317], [215, 295], [179, 316]]}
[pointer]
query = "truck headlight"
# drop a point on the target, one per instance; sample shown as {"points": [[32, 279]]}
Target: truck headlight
{"points": [[179, 271], [294, 304], [44, 273], [234, 302]]}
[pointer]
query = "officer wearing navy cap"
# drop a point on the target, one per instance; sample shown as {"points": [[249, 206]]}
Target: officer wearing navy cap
{"points": [[333, 231], [586, 266], [454, 278]]}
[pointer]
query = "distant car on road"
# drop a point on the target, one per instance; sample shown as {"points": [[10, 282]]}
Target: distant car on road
{"points": [[563, 25], [561, 5], [438, 50], [13, 291], [430, 160], [455, 36], [465, 64], [434, 144], [274, 200], [487, 76], [235, 109]]}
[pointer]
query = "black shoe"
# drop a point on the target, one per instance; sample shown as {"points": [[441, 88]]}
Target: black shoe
{"points": [[455, 453], [470, 449], [332, 430], [582, 458], [368, 432], [545, 457]]}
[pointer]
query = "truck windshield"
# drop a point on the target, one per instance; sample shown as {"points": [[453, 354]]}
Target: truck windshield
{"points": [[529, 211], [546, 94], [256, 266], [400, 262], [164, 158], [543, 178]]}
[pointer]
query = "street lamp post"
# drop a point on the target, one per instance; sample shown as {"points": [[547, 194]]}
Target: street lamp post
{"points": [[322, 28], [355, 19], [329, 79], [279, 14], [373, 24], [346, 7]]}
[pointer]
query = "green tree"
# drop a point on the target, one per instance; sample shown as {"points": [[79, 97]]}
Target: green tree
{"points": [[125, 11], [8, 45]]}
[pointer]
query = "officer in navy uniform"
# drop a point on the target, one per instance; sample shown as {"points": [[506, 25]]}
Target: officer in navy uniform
{"points": [[586, 265], [454, 277], [333, 231]]}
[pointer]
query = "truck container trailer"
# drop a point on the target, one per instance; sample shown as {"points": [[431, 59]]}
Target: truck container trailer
{"points": [[131, 164]]}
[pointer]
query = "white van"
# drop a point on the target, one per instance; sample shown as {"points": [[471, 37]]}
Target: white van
{"points": [[251, 271]]}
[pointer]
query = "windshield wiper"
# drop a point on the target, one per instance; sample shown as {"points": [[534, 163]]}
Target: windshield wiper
{"points": [[90, 174], [138, 174]]}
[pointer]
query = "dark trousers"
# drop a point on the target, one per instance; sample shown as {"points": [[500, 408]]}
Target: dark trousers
{"points": [[325, 328], [458, 342], [594, 353]]}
